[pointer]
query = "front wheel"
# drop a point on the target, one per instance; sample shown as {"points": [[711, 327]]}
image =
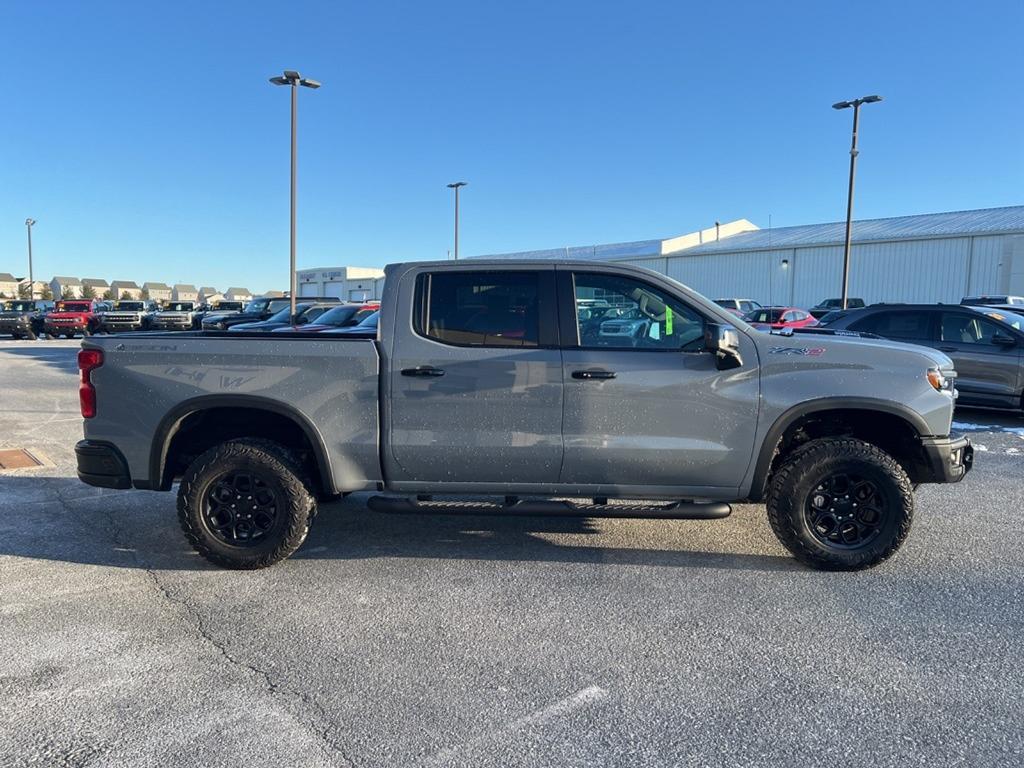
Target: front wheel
{"points": [[840, 504], [245, 504]]}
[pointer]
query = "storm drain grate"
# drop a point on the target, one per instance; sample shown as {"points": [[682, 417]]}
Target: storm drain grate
{"points": [[17, 458]]}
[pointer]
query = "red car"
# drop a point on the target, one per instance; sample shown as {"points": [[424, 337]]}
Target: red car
{"points": [[775, 318], [71, 316], [342, 316]]}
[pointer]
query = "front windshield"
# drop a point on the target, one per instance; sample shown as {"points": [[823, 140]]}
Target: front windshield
{"points": [[74, 306], [19, 306], [256, 307], [1012, 319], [130, 306], [180, 306]]}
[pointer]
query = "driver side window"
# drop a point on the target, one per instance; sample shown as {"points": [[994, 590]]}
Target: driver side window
{"points": [[615, 312]]}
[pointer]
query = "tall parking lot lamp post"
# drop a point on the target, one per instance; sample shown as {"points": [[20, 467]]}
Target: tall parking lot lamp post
{"points": [[456, 185], [294, 79], [31, 282], [853, 172]]}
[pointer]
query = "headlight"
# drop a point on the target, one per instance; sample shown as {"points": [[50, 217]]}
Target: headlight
{"points": [[939, 381]]}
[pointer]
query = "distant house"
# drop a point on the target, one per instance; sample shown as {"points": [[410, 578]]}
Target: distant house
{"points": [[97, 286], [208, 294], [158, 291], [33, 292], [237, 294], [8, 285], [121, 287], [273, 295], [184, 292], [69, 286]]}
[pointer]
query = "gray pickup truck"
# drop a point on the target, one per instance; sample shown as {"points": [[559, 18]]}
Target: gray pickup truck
{"points": [[496, 380]]}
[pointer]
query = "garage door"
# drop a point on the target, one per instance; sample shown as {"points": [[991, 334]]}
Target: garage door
{"points": [[335, 288], [359, 294], [307, 289]]}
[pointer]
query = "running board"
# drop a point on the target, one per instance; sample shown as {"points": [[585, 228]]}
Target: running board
{"points": [[680, 510]]}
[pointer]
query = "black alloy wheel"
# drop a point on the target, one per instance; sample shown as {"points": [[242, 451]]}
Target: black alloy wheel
{"points": [[845, 511], [240, 508]]}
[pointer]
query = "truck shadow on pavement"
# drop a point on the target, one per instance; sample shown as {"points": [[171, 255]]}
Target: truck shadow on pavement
{"points": [[64, 357], [60, 519]]}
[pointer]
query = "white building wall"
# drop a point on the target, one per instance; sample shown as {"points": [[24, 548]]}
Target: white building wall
{"points": [[925, 271]]}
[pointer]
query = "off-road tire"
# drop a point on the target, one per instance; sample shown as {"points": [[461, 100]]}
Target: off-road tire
{"points": [[279, 468], [796, 479]]}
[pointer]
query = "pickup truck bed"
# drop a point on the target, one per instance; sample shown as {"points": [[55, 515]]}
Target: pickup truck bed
{"points": [[509, 379]]}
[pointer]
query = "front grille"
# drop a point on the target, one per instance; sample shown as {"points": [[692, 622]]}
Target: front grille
{"points": [[121, 318]]}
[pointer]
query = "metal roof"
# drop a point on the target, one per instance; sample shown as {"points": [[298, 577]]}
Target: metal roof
{"points": [[608, 252], [954, 223]]}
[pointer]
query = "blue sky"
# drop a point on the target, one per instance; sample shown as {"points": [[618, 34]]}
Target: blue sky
{"points": [[148, 144]]}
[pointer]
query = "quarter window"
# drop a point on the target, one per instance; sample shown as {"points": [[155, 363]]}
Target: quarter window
{"points": [[622, 313], [487, 309]]}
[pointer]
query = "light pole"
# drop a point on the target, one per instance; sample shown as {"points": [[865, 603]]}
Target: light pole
{"points": [[294, 79], [31, 282], [853, 171], [456, 185]]}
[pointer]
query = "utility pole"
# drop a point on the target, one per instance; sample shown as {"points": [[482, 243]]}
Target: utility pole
{"points": [[456, 186], [31, 282], [853, 172], [294, 79]]}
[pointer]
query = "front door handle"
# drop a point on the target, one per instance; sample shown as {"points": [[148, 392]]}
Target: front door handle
{"points": [[593, 375], [423, 370]]}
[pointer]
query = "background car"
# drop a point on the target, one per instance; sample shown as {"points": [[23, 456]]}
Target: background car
{"points": [[739, 307], [985, 344], [366, 327], [174, 316], [257, 310], [343, 316], [305, 313], [993, 301], [23, 318], [822, 308], [216, 307], [777, 318], [124, 315], [71, 316]]}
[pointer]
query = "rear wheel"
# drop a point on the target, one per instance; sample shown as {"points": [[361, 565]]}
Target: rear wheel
{"points": [[245, 504], [840, 504]]}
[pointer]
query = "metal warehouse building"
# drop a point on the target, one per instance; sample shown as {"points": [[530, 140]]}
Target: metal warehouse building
{"points": [[935, 257]]}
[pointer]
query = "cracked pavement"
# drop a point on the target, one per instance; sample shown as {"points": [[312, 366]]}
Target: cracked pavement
{"points": [[395, 641]]}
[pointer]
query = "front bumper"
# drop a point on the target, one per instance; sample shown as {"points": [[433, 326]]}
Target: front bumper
{"points": [[16, 325], [75, 327], [102, 465], [948, 458], [114, 326]]}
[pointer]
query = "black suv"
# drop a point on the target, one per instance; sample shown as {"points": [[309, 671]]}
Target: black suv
{"points": [[258, 310], [825, 306], [23, 318], [986, 344]]}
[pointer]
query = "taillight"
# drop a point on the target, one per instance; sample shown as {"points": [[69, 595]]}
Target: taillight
{"points": [[88, 360]]}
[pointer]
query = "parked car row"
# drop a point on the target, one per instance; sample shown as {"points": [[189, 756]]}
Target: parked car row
{"points": [[67, 318]]}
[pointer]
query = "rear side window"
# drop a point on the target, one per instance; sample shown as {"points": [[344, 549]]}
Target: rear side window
{"points": [[485, 309], [906, 326]]}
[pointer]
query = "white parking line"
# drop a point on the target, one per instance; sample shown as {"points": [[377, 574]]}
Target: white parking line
{"points": [[587, 696]]}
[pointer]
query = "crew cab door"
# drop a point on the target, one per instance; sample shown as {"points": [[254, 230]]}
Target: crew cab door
{"points": [[987, 357], [475, 378], [645, 405]]}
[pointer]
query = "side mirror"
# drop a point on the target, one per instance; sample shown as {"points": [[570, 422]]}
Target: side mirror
{"points": [[1003, 340], [724, 342]]}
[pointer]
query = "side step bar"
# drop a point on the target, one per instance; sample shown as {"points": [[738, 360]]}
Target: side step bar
{"points": [[679, 510]]}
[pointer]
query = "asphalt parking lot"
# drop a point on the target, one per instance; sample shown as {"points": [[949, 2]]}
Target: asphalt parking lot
{"points": [[394, 641]]}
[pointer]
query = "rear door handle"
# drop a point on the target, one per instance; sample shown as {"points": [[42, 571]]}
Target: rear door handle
{"points": [[593, 374], [423, 370]]}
